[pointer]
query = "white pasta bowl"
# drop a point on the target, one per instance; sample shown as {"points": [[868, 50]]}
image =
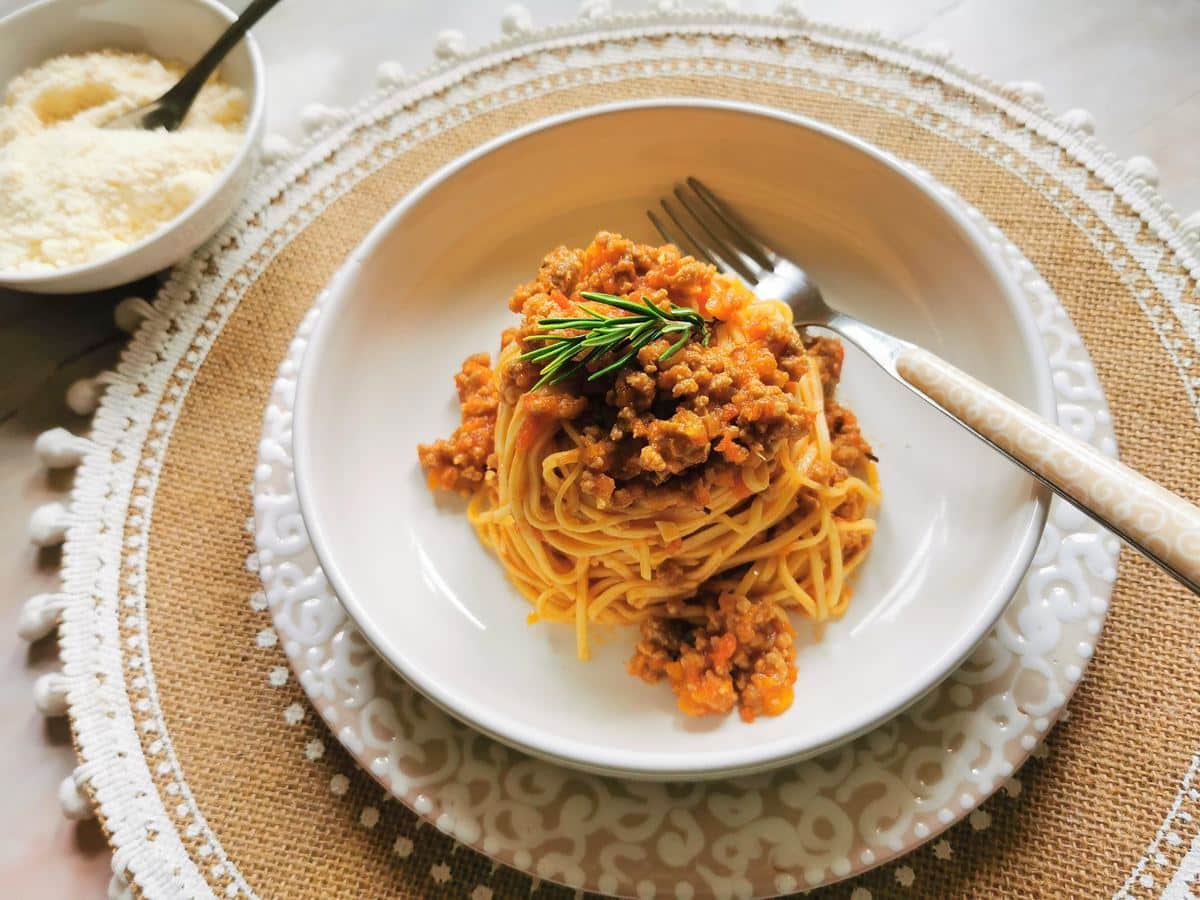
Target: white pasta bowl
{"points": [[957, 527], [168, 29]]}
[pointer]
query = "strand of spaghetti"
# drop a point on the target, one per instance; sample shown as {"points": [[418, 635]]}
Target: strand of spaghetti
{"points": [[644, 560], [816, 570], [602, 601], [869, 487], [534, 551], [837, 490], [816, 398], [791, 538], [835, 558], [850, 526], [767, 567], [856, 560], [560, 493], [737, 527], [581, 618], [797, 593], [748, 580], [555, 464]]}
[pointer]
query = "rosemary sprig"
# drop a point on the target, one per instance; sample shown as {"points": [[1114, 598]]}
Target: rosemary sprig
{"points": [[563, 355]]}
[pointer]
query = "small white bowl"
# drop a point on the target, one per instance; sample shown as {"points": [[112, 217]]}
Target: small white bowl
{"points": [[957, 528], [168, 29]]}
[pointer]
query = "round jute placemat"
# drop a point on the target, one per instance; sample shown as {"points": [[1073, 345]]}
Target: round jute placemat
{"points": [[209, 770]]}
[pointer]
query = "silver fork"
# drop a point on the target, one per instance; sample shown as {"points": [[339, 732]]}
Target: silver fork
{"points": [[1154, 521]]}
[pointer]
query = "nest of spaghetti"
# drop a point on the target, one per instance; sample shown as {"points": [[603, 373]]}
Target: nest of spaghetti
{"points": [[702, 487]]}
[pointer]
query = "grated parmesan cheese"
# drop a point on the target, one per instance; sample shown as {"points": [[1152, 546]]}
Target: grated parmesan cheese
{"points": [[72, 192]]}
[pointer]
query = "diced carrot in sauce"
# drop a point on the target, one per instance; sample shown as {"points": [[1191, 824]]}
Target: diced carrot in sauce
{"points": [[723, 648]]}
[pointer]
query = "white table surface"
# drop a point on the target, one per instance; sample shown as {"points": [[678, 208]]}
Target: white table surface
{"points": [[1134, 66]]}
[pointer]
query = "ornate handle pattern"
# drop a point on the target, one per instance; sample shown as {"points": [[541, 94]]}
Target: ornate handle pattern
{"points": [[1155, 521]]}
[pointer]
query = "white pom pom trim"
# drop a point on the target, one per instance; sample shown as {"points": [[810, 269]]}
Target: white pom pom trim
{"points": [[668, 6], [1191, 225], [83, 396], [595, 9], [40, 615], [118, 887], [276, 147], [390, 73], [449, 44], [73, 802], [516, 19], [1026, 90], [1142, 167], [59, 449], [48, 524], [50, 694], [792, 9], [130, 313], [1079, 120], [317, 117], [937, 50]]}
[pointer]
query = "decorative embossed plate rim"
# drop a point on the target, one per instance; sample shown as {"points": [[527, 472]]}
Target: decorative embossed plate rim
{"points": [[805, 825]]}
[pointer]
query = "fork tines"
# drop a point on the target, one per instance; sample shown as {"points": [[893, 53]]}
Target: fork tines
{"points": [[711, 231]]}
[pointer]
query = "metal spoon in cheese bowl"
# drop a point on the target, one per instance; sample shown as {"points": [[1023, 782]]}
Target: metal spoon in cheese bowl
{"points": [[1161, 525], [169, 110], [165, 224]]}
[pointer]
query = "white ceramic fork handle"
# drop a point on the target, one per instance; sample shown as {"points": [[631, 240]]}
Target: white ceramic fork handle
{"points": [[1161, 524]]}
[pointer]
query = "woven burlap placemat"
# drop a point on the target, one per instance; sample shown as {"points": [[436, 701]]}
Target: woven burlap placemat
{"points": [[211, 772]]}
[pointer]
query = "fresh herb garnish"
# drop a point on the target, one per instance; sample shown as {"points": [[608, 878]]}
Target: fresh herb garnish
{"points": [[563, 355]]}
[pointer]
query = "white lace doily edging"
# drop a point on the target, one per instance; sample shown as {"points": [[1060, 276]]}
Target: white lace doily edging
{"points": [[113, 770]]}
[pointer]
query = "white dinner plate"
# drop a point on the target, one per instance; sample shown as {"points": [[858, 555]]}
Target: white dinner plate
{"points": [[819, 820], [957, 528]]}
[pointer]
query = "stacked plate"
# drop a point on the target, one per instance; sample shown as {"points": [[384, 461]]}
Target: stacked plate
{"points": [[953, 659]]}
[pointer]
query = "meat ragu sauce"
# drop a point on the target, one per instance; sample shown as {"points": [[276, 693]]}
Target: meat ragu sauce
{"points": [[742, 653], [664, 433]]}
